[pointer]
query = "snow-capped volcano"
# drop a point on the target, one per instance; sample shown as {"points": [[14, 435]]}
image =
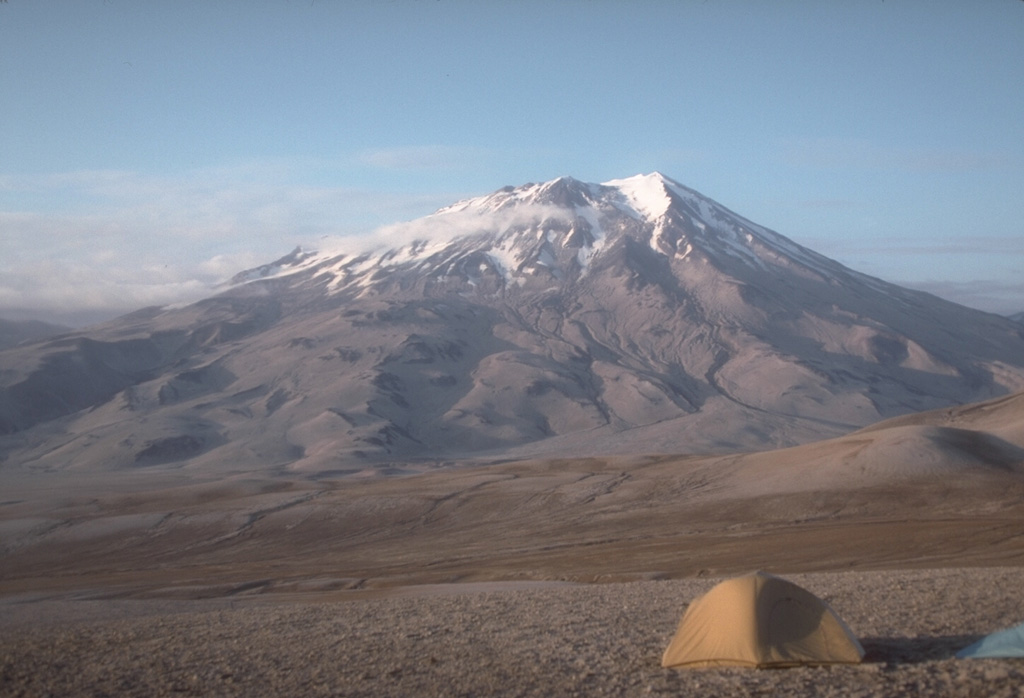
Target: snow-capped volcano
{"points": [[560, 318], [555, 229]]}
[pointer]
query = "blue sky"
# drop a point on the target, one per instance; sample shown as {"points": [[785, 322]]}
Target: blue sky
{"points": [[150, 150]]}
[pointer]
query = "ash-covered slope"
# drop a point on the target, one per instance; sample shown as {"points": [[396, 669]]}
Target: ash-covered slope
{"points": [[557, 318]]}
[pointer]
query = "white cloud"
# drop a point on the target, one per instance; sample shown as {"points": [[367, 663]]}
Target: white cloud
{"points": [[180, 246], [994, 296], [107, 242], [443, 226], [67, 287]]}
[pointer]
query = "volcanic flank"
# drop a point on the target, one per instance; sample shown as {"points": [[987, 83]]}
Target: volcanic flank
{"points": [[548, 319]]}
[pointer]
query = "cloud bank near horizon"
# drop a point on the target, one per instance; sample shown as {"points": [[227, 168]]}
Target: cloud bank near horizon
{"points": [[123, 240]]}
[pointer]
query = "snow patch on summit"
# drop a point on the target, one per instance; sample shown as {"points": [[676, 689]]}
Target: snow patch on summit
{"points": [[646, 195]]}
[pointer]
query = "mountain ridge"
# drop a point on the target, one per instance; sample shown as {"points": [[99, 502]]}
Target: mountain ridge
{"points": [[14, 332]]}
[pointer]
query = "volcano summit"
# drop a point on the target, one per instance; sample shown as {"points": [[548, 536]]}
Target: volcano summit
{"points": [[562, 318]]}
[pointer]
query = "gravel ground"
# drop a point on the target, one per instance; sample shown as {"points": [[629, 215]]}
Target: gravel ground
{"points": [[593, 640]]}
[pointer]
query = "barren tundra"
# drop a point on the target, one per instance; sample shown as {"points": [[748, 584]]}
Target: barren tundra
{"points": [[603, 640]]}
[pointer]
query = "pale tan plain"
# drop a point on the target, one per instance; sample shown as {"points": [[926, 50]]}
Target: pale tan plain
{"points": [[529, 578]]}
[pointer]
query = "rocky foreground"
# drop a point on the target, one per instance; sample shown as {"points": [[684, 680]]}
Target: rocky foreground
{"points": [[497, 640]]}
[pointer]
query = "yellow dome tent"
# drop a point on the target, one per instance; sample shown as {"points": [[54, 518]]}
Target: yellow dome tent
{"points": [[760, 620]]}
